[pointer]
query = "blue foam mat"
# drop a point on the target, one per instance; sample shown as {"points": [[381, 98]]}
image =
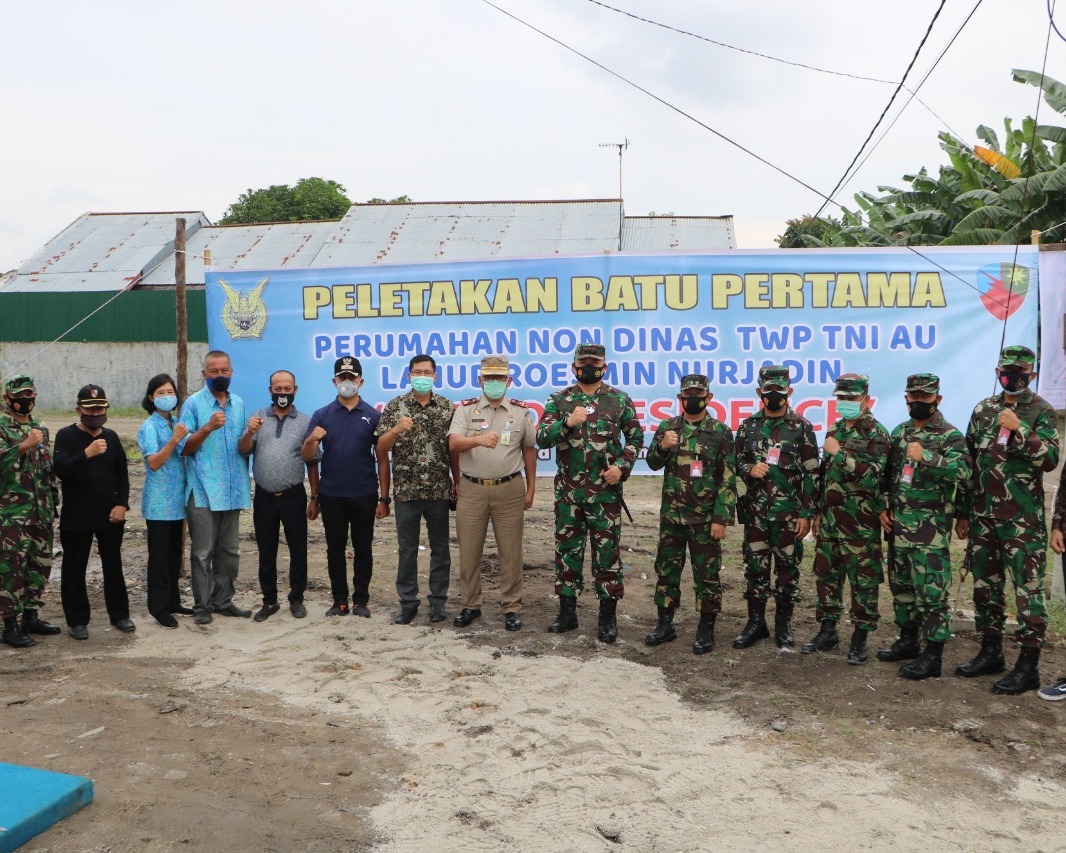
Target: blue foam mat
{"points": [[33, 800]]}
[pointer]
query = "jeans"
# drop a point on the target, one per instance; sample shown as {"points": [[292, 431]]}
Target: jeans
{"points": [[269, 514], [339, 517], [409, 515]]}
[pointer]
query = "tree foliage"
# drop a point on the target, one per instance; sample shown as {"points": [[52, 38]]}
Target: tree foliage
{"points": [[310, 198], [970, 201]]}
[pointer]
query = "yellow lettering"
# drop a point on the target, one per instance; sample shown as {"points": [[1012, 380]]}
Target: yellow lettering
{"points": [[508, 297], [786, 290], [542, 295], [416, 302], [928, 291], [391, 297], [442, 299], [586, 294], [820, 282], [648, 287], [888, 290], [474, 296], [315, 299], [849, 293], [343, 301], [621, 294], [756, 290], [681, 292], [723, 286], [364, 301]]}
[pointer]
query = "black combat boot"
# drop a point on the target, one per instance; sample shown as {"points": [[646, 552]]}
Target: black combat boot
{"points": [[704, 634], [857, 649], [927, 664], [989, 660], [783, 624], [34, 624], [1024, 676], [567, 618], [13, 634], [824, 640], [664, 629], [906, 646], [608, 628], [756, 628]]}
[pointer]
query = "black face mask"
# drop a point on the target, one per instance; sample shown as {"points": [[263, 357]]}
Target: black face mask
{"points": [[22, 405], [1014, 381], [218, 384], [774, 400], [694, 405], [282, 401], [921, 411], [588, 374], [93, 422]]}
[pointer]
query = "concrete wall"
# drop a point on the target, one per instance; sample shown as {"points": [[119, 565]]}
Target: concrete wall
{"points": [[121, 369]]}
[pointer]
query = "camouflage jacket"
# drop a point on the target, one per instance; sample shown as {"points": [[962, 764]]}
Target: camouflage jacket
{"points": [[1058, 514], [789, 486], [612, 435], [27, 484], [922, 508], [700, 482], [849, 484], [1007, 481], [421, 467]]}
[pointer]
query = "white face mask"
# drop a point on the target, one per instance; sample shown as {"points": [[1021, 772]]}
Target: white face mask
{"points": [[347, 390]]}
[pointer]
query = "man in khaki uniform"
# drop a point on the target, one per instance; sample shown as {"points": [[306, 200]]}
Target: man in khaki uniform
{"points": [[491, 440]]}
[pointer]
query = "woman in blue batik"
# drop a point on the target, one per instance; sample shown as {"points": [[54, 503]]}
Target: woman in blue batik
{"points": [[160, 438]]}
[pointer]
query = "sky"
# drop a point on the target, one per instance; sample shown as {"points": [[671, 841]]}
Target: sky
{"points": [[130, 106]]}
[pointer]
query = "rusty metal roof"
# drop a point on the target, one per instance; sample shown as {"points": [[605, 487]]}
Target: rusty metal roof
{"points": [[678, 234]]}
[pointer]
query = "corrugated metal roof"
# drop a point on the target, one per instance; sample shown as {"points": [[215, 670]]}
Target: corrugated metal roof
{"points": [[678, 234], [451, 231], [282, 245], [102, 251]]}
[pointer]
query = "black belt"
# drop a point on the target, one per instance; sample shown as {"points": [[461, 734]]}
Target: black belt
{"points": [[496, 482], [282, 493]]}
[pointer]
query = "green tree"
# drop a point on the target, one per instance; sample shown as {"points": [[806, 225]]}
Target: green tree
{"points": [[990, 194], [310, 198], [400, 199]]}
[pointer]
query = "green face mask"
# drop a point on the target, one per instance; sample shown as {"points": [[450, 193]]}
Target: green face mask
{"points": [[849, 410], [422, 384], [495, 388]]}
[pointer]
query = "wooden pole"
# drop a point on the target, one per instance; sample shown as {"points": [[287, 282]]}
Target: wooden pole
{"points": [[181, 309], [1034, 236]]}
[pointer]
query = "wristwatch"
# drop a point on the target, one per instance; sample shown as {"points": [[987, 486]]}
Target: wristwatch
{"points": [[386, 501]]}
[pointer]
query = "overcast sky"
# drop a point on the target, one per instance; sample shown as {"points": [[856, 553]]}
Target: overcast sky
{"points": [[123, 106]]}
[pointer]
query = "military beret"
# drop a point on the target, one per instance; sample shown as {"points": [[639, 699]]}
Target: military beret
{"points": [[774, 376], [1017, 355], [923, 383], [852, 385]]}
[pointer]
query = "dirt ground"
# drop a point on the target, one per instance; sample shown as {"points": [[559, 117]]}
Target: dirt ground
{"points": [[178, 766]]}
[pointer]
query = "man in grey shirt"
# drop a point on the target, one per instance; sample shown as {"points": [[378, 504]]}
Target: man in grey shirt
{"points": [[275, 435]]}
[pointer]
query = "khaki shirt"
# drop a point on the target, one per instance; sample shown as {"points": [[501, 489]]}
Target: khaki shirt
{"points": [[477, 417]]}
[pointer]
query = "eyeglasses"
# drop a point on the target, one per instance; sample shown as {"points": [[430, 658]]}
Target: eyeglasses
{"points": [[423, 373]]}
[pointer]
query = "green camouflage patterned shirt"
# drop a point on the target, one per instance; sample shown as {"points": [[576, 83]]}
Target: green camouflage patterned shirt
{"points": [[849, 499], [612, 435], [789, 486], [1007, 482], [699, 483], [922, 508], [421, 467], [27, 484]]}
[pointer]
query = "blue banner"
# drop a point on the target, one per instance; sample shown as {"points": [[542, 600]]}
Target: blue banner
{"points": [[886, 313]]}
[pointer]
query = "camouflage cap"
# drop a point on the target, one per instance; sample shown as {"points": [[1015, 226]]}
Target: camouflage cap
{"points": [[589, 351], [852, 384], [495, 365], [19, 382], [695, 380], [923, 383], [1017, 356], [774, 376]]}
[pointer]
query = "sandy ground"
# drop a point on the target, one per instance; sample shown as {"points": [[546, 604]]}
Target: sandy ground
{"points": [[340, 734]]}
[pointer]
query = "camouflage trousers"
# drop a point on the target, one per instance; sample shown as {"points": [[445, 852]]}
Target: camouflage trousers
{"points": [[997, 548], [920, 579], [706, 564], [602, 523], [25, 565], [772, 541], [857, 560]]}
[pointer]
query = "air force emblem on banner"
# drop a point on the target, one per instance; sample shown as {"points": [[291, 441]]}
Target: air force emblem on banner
{"points": [[1003, 288], [244, 315]]}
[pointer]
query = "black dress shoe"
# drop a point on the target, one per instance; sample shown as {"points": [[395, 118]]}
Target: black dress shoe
{"points": [[512, 622], [233, 610], [183, 611], [297, 609], [266, 611], [203, 617], [437, 612], [126, 626], [167, 620], [407, 614], [79, 632], [465, 617]]}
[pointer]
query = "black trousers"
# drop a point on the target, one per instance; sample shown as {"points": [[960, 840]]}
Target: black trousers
{"points": [[339, 517], [76, 547], [269, 514], [164, 565]]}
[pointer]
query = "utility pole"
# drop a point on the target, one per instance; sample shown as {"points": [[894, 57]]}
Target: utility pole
{"points": [[181, 309], [621, 146]]}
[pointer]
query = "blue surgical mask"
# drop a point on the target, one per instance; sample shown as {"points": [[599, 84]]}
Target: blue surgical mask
{"points": [[849, 410], [165, 404], [218, 384], [422, 384], [494, 388]]}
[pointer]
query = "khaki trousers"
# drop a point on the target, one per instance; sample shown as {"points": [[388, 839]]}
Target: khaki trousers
{"points": [[503, 505]]}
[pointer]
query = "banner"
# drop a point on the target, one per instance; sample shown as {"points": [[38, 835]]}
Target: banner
{"points": [[886, 313]]}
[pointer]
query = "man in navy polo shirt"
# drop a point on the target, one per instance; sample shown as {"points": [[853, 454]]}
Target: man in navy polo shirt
{"points": [[348, 485]]}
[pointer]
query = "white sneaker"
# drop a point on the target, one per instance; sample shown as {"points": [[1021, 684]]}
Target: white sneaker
{"points": [[1055, 692]]}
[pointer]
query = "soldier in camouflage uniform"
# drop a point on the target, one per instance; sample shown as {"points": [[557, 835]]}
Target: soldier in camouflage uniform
{"points": [[699, 495], [855, 453], [597, 436], [777, 457], [1056, 691], [1013, 440], [927, 462], [27, 509]]}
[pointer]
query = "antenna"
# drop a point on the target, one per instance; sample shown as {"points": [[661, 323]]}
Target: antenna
{"points": [[621, 146]]}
